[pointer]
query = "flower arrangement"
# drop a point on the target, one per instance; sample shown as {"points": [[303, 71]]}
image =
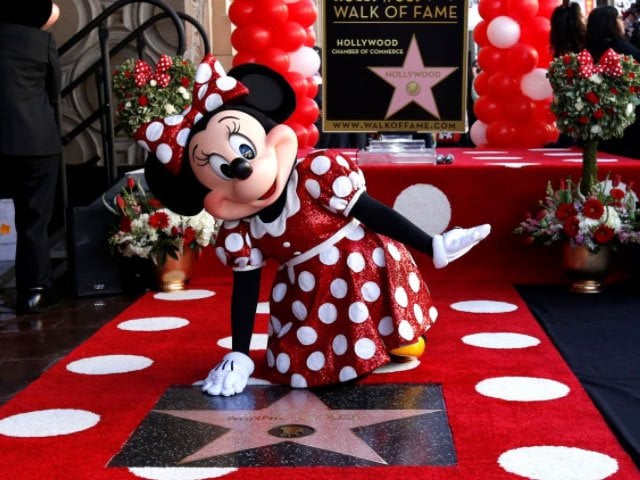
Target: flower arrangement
{"points": [[594, 102], [142, 93], [148, 230], [609, 216]]}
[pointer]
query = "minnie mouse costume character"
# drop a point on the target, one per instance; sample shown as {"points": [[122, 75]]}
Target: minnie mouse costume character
{"points": [[347, 295]]}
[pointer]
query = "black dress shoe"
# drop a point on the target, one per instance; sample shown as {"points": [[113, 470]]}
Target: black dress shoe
{"points": [[38, 300]]}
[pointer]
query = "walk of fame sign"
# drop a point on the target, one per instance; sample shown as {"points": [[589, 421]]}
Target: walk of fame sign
{"points": [[354, 425], [394, 65]]}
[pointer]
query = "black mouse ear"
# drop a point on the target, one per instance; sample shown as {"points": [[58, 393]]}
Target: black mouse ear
{"points": [[269, 92], [182, 193]]}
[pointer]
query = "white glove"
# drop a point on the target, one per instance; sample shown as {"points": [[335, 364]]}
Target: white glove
{"points": [[454, 243], [230, 376]]}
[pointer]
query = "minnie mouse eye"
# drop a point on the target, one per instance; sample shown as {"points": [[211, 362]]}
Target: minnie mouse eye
{"points": [[242, 146], [220, 167]]}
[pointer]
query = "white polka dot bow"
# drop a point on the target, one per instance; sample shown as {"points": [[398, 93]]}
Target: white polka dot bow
{"points": [[167, 137], [609, 64], [142, 73]]}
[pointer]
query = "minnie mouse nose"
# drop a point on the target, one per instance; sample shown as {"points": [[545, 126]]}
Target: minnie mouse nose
{"points": [[241, 169]]}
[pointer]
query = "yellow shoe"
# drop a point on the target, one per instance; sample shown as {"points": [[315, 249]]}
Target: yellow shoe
{"points": [[406, 353]]}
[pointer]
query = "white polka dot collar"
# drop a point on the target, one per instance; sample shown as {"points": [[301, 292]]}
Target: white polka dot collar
{"points": [[292, 206]]}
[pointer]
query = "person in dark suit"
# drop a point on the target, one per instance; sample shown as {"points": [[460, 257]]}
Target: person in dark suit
{"points": [[605, 30], [30, 144]]}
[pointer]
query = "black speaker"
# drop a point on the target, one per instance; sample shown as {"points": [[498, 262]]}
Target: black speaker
{"points": [[93, 268]]}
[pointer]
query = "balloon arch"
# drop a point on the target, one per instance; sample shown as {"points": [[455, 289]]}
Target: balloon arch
{"points": [[514, 93], [280, 35]]}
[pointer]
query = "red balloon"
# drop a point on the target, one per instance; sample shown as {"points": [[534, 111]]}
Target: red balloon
{"points": [[243, 57], [298, 83], [290, 36], [521, 59], [504, 85], [312, 87], [535, 133], [536, 32], [241, 12], [255, 38], [306, 112], [236, 39], [301, 133], [490, 59], [489, 9], [547, 7], [487, 109], [313, 135], [304, 12], [502, 134], [544, 59], [543, 111], [271, 13], [310, 41], [480, 33], [481, 83], [523, 10], [274, 58], [519, 108]]}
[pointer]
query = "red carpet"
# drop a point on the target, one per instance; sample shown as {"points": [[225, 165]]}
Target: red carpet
{"points": [[514, 408]]}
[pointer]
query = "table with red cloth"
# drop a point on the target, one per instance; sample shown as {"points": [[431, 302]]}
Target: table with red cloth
{"points": [[497, 186]]}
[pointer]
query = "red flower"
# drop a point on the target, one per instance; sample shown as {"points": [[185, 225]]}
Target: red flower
{"points": [[127, 73], [571, 226], [120, 202], [189, 235], [598, 114], [143, 100], [184, 81], [131, 183], [617, 194], [570, 73], [125, 224], [583, 120], [155, 203], [592, 97], [614, 90], [159, 220], [593, 208], [603, 234], [565, 210]]}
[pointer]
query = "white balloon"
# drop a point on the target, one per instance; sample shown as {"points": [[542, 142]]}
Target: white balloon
{"points": [[535, 84], [478, 133], [503, 32], [305, 61]]}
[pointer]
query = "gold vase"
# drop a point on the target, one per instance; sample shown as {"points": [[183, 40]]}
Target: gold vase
{"points": [[585, 269], [174, 274]]}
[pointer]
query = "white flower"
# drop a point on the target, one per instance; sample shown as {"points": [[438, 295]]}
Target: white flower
{"points": [[595, 129], [153, 83], [629, 109], [597, 79], [170, 109], [611, 218]]}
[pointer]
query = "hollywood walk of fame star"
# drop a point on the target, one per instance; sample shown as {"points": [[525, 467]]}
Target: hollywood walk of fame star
{"points": [[299, 417], [413, 81]]}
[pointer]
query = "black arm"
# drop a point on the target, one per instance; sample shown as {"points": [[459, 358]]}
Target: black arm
{"points": [[244, 300], [385, 220]]}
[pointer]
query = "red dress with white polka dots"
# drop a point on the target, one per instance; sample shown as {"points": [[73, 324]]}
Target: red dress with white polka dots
{"points": [[344, 295]]}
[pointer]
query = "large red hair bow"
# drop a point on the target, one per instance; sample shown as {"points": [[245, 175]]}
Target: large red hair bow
{"points": [[609, 64], [167, 137]]}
